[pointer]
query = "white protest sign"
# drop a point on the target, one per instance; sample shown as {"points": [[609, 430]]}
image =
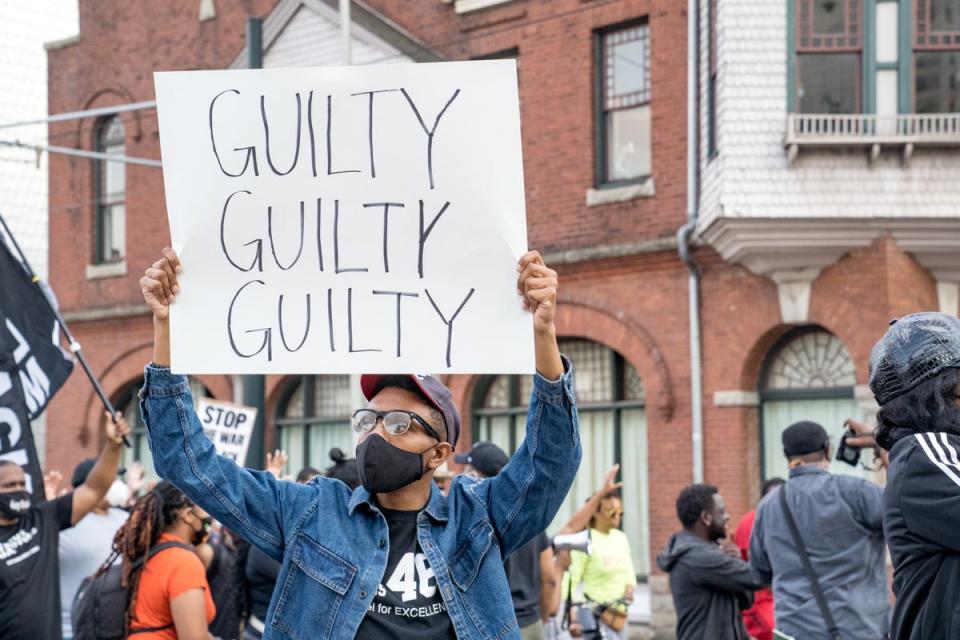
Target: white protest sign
{"points": [[346, 219], [229, 427]]}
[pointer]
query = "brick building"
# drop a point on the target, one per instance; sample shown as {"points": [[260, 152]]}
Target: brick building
{"points": [[804, 251]]}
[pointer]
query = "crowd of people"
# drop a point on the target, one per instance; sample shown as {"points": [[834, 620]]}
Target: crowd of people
{"points": [[391, 544]]}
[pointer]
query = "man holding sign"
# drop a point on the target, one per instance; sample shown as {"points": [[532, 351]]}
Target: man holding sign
{"points": [[395, 558]]}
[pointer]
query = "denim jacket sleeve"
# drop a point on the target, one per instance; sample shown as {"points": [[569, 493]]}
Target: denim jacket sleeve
{"points": [[253, 503], [525, 496]]}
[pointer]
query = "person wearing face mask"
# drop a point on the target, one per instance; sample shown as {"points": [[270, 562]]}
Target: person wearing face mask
{"points": [[710, 584], [84, 547], [29, 538], [819, 541], [394, 558], [170, 598]]}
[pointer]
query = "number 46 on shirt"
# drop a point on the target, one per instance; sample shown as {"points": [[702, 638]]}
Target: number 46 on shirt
{"points": [[412, 574]]}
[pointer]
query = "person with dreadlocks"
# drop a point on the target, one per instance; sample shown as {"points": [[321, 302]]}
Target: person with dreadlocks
{"points": [[169, 595]]}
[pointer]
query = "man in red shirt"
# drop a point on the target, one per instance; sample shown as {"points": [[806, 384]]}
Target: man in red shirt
{"points": [[758, 618]]}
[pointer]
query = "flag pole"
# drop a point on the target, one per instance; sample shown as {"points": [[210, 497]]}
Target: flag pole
{"points": [[74, 345]]}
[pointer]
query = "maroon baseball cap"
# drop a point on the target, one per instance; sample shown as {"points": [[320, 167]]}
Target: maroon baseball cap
{"points": [[436, 392]]}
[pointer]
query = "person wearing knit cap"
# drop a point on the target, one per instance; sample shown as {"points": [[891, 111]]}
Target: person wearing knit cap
{"points": [[915, 377], [839, 523]]}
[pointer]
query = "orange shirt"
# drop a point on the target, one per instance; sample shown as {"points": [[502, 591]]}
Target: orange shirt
{"points": [[166, 576]]}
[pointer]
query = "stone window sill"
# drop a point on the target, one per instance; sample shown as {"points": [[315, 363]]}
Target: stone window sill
{"points": [[613, 195], [466, 6], [106, 270]]}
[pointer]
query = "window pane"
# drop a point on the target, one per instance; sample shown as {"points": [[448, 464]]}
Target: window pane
{"points": [[332, 398], [592, 370], [627, 67], [628, 143], [498, 396], [114, 174], [945, 15], [938, 81], [828, 82], [496, 429], [828, 16], [324, 437], [633, 472], [813, 360]]}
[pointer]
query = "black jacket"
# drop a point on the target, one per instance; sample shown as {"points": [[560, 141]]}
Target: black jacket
{"points": [[921, 522], [709, 588]]}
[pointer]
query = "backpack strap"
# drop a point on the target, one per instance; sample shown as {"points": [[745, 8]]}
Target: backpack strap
{"points": [[808, 567], [141, 561]]}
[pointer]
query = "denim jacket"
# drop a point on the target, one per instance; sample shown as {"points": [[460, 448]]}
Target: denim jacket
{"points": [[334, 543]]}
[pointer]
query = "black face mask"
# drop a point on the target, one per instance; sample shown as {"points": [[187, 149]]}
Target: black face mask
{"points": [[14, 504], [384, 468], [199, 537]]}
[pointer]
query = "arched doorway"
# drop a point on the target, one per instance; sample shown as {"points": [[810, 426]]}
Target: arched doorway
{"points": [[808, 375]]}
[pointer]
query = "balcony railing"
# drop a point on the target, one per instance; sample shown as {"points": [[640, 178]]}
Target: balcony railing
{"points": [[872, 131]]}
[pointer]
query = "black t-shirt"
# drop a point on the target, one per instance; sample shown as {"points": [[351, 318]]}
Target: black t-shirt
{"points": [[262, 572], [30, 572], [523, 574], [408, 603]]}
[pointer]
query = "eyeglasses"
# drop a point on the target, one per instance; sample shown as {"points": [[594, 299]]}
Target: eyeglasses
{"points": [[396, 422]]}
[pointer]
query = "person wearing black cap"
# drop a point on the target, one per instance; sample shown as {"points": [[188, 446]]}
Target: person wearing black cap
{"points": [[836, 547], [395, 558], [530, 569], [915, 377], [29, 537]]}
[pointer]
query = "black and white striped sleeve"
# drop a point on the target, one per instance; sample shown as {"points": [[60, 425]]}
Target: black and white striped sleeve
{"points": [[930, 490]]}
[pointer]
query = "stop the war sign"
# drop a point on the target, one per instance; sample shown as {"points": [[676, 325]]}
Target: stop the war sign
{"points": [[229, 427]]}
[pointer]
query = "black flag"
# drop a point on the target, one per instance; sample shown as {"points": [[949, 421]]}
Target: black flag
{"points": [[32, 364]]}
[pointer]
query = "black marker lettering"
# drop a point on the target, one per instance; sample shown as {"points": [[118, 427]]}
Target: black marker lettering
{"points": [[336, 242], [373, 166], [258, 257], [350, 325], [400, 295], [425, 233], [266, 134], [267, 333], [330, 170], [319, 235], [313, 141], [273, 248], [333, 347], [386, 211], [449, 322], [306, 329], [429, 132], [251, 151]]}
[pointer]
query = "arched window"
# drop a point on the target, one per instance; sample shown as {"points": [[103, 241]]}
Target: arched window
{"points": [[129, 405], [809, 375], [111, 186], [313, 418], [613, 428]]}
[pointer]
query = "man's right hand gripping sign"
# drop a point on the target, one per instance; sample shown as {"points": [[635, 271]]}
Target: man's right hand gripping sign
{"points": [[395, 558]]}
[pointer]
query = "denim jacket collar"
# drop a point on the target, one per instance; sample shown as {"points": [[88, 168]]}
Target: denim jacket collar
{"points": [[436, 506]]}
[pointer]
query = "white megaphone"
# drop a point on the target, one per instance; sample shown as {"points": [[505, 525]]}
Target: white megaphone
{"points": [[579, 541]]}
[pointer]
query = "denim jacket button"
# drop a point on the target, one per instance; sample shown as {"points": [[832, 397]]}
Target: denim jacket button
{"points": [[382, 543], [363, 594]]}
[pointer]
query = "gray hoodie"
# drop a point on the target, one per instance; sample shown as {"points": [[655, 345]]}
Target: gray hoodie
{"points": [[709, 588]]}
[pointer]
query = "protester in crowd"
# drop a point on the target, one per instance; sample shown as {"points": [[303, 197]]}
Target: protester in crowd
{"points": [[710, 584], [533, 581], [396, 526], [29, 539], [915, 376], [838, 526], [85, 546], [225, 561], [607, 573], [261, 570], [759, 618], [170, 598]]}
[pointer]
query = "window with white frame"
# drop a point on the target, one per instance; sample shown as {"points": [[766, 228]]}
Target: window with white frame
{"points": [[623, 109], [111, 192]]}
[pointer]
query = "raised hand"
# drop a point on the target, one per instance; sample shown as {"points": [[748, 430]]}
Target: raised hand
{"points": [[276, 461], [115, 428], [538, 285], [159, 283]]}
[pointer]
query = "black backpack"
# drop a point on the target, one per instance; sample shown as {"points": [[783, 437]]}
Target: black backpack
{"points": [[101, 602]]}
